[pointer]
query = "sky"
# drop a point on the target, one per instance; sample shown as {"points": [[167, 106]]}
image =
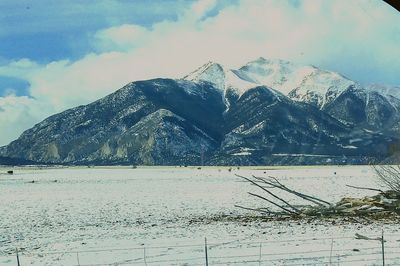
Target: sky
{"points": [[55, 55]]}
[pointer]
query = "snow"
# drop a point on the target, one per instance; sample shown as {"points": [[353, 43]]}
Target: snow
{"points": [[351, 141], [252, 130], [233, 81], [131, 109], [326, 85], [221, 77], [300, 82], [93, 210], [385, 90], [278, 74], [191, 88], [368, 131], [300, 155], [88, 122], [242, 153], [390, 93], [348, 146], [210, 72]]}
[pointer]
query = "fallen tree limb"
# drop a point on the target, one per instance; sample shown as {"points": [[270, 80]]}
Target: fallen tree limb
{"points": [[366, 188], [279, 185], [385, 204], [301, 194], [273, 203], [272, 194]]}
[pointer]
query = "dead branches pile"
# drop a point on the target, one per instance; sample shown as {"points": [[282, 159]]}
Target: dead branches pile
{"points": [[383, 204]]}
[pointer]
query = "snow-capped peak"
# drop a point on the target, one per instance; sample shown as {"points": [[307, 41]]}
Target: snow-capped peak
{"points": [[221, 77], [210, 72], [321, 87], [304, 83], [275, 73]]}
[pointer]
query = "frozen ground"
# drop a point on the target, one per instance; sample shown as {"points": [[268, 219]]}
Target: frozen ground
{"points": [[116, 215]]}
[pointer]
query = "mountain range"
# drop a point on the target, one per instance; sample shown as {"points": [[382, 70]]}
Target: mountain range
{"points": [[265, 112]]}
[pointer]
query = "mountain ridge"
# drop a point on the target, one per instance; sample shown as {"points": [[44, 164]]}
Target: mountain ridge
{"points": [[220, 116]]}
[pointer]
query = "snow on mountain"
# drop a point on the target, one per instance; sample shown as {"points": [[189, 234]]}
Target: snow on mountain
{"points": [[385, 90], [221, 77], [374, 106], [391, 93], [210, 72], [225, 80], [301, 83], [278, 74], [321, 87], [214, 113]]}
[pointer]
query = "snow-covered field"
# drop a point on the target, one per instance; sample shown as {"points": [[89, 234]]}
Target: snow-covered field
{"points": [[120, 216]]}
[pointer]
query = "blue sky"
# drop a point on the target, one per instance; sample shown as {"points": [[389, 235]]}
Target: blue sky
{"points": [[56, 54], [47, 30]]}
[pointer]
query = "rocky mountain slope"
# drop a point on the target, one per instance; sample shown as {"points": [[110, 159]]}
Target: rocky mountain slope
{"points": [[373, 107], [146, 122], [266, 112]]}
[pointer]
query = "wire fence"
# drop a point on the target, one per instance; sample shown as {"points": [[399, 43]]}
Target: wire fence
{"points": [[368, 250]]}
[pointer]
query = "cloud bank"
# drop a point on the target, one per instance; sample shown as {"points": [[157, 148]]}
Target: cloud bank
{"points": [[360, 39]]}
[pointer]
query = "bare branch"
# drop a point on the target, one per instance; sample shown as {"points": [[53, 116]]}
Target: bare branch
{"points": [[349, 207], [298, 194], [273, 203], [389, 175], [270, 193], [366, 188]]}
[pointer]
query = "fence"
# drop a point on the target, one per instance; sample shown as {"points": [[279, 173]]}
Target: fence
{"points": [[359, 250]]}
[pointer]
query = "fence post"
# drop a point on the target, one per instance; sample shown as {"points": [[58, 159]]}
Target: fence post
{"points": [[205, 249], [259, 258], [77, 258], [16, 250], [144, 256], [383, 249], [330, 255]]}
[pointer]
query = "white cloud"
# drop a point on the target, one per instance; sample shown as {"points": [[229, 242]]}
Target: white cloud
{"points": [[120, 38], [22, 68], [18, 114], [199, 9], [361, 39]]}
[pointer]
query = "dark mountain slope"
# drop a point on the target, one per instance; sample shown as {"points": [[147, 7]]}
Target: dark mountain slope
{"points": [[264, 123], [78, 135], [175, 122]]}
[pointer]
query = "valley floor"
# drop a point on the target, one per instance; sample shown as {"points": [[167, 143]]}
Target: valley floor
{"points": [[161, 216]]}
